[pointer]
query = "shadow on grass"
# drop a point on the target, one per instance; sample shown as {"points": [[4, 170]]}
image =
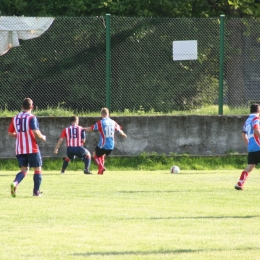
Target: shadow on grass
{"points": [[178, 251], [171, 191], [206, 217], [139, 252]]}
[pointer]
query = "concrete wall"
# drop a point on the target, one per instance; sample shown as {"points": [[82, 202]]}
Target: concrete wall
{"points": [[196, 135]]}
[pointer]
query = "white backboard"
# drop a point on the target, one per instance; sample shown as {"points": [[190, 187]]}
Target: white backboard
{"points": [[185, 50]]}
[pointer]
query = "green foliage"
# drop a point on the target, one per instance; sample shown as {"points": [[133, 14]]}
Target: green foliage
{"points": [[152, 8], [146, 161], [60, 111]]}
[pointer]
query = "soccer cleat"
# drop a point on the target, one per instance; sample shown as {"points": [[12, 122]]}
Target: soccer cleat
{"points": [[13, 189], [87, 171], [238, 187], [37, 194], [62, 172]]}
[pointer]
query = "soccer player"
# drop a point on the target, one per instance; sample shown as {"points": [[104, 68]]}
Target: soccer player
{"points": [[75, 136], [106, 128], [251, 137], [25, 128]]}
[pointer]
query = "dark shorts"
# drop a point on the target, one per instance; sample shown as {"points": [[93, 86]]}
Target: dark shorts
{"points": [[78, 151], [100, 152], [29, 160], [253, 157]]}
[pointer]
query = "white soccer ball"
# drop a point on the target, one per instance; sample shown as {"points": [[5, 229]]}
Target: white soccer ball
{"points": [[175, 169]]}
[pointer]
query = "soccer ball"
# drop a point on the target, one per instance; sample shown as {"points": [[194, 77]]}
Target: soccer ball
{"points": [[175, 169]]}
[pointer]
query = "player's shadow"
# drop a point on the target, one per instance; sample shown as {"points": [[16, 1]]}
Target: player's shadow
{"points": [[191, 217], [156, 252], [117, 253]]}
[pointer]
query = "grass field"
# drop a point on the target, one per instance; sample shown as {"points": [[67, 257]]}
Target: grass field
{"points": [[131, 215]]}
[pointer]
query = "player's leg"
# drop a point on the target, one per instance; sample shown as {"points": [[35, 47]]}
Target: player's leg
{"points": [[243, 176], [253, 159], [103, 160], [22, 161], [84, 154], [35, 161], [65, 164], [37, 180], [87, 162], [107, 152], [66, 160], [98, 154]]}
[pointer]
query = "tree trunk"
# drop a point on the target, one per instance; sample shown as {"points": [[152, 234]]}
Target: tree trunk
{"points": [[234, 75]]}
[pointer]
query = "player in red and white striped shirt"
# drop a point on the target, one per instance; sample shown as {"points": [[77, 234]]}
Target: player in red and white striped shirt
{"points": [[75, 136], [25, 128]]}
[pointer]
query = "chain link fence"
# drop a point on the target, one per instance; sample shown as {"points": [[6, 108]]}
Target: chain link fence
{"points": [[66, 66], [242, 62], [144, 74]]}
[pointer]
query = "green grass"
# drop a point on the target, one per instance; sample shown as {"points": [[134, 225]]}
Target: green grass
{"points": [[131, 215], [60, 111]]}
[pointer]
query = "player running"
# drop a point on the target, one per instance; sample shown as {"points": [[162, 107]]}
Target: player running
{"points": [[106, 128], [251, 137], [75, 136], [25, 128]]}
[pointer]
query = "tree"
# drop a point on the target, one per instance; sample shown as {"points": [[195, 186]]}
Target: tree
{"points": [[144, 8]]}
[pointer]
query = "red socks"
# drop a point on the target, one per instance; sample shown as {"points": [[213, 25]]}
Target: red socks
{"points": [[243, 178], [99, 162]]}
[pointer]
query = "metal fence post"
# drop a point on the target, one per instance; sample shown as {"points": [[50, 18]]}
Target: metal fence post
{"points": [[108, 64], [221, 65]]}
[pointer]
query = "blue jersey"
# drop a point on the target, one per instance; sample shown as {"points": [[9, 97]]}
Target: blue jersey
{"points": [[252, 123], [106, 128]]}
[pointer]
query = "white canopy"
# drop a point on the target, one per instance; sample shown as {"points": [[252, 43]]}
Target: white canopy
{"points": [[13, 28]]}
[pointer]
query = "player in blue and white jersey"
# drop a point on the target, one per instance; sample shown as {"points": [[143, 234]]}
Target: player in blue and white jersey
{"points": [[251, 137], [106, 128]]}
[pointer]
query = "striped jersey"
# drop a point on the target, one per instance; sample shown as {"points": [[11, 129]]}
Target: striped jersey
{"points": [[75, 135], [106, 128], [23, 125], [252, 123]]}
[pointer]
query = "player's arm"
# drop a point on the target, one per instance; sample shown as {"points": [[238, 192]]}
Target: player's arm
{"points": [[62, 137], [89, 129], [256, 127], [34, 125], [39, 135], [58, 145], [11, 130], [12, 134], [244, 137], [257, 132], [121, 132], [83, 136]]}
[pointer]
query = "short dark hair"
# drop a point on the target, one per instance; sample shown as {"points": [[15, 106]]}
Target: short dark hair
{"points": [[254, 108], [73, 118], [27, 103]]}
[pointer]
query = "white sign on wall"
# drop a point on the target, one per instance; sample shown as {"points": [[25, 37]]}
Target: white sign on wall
{"points": [[185, 50]]}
